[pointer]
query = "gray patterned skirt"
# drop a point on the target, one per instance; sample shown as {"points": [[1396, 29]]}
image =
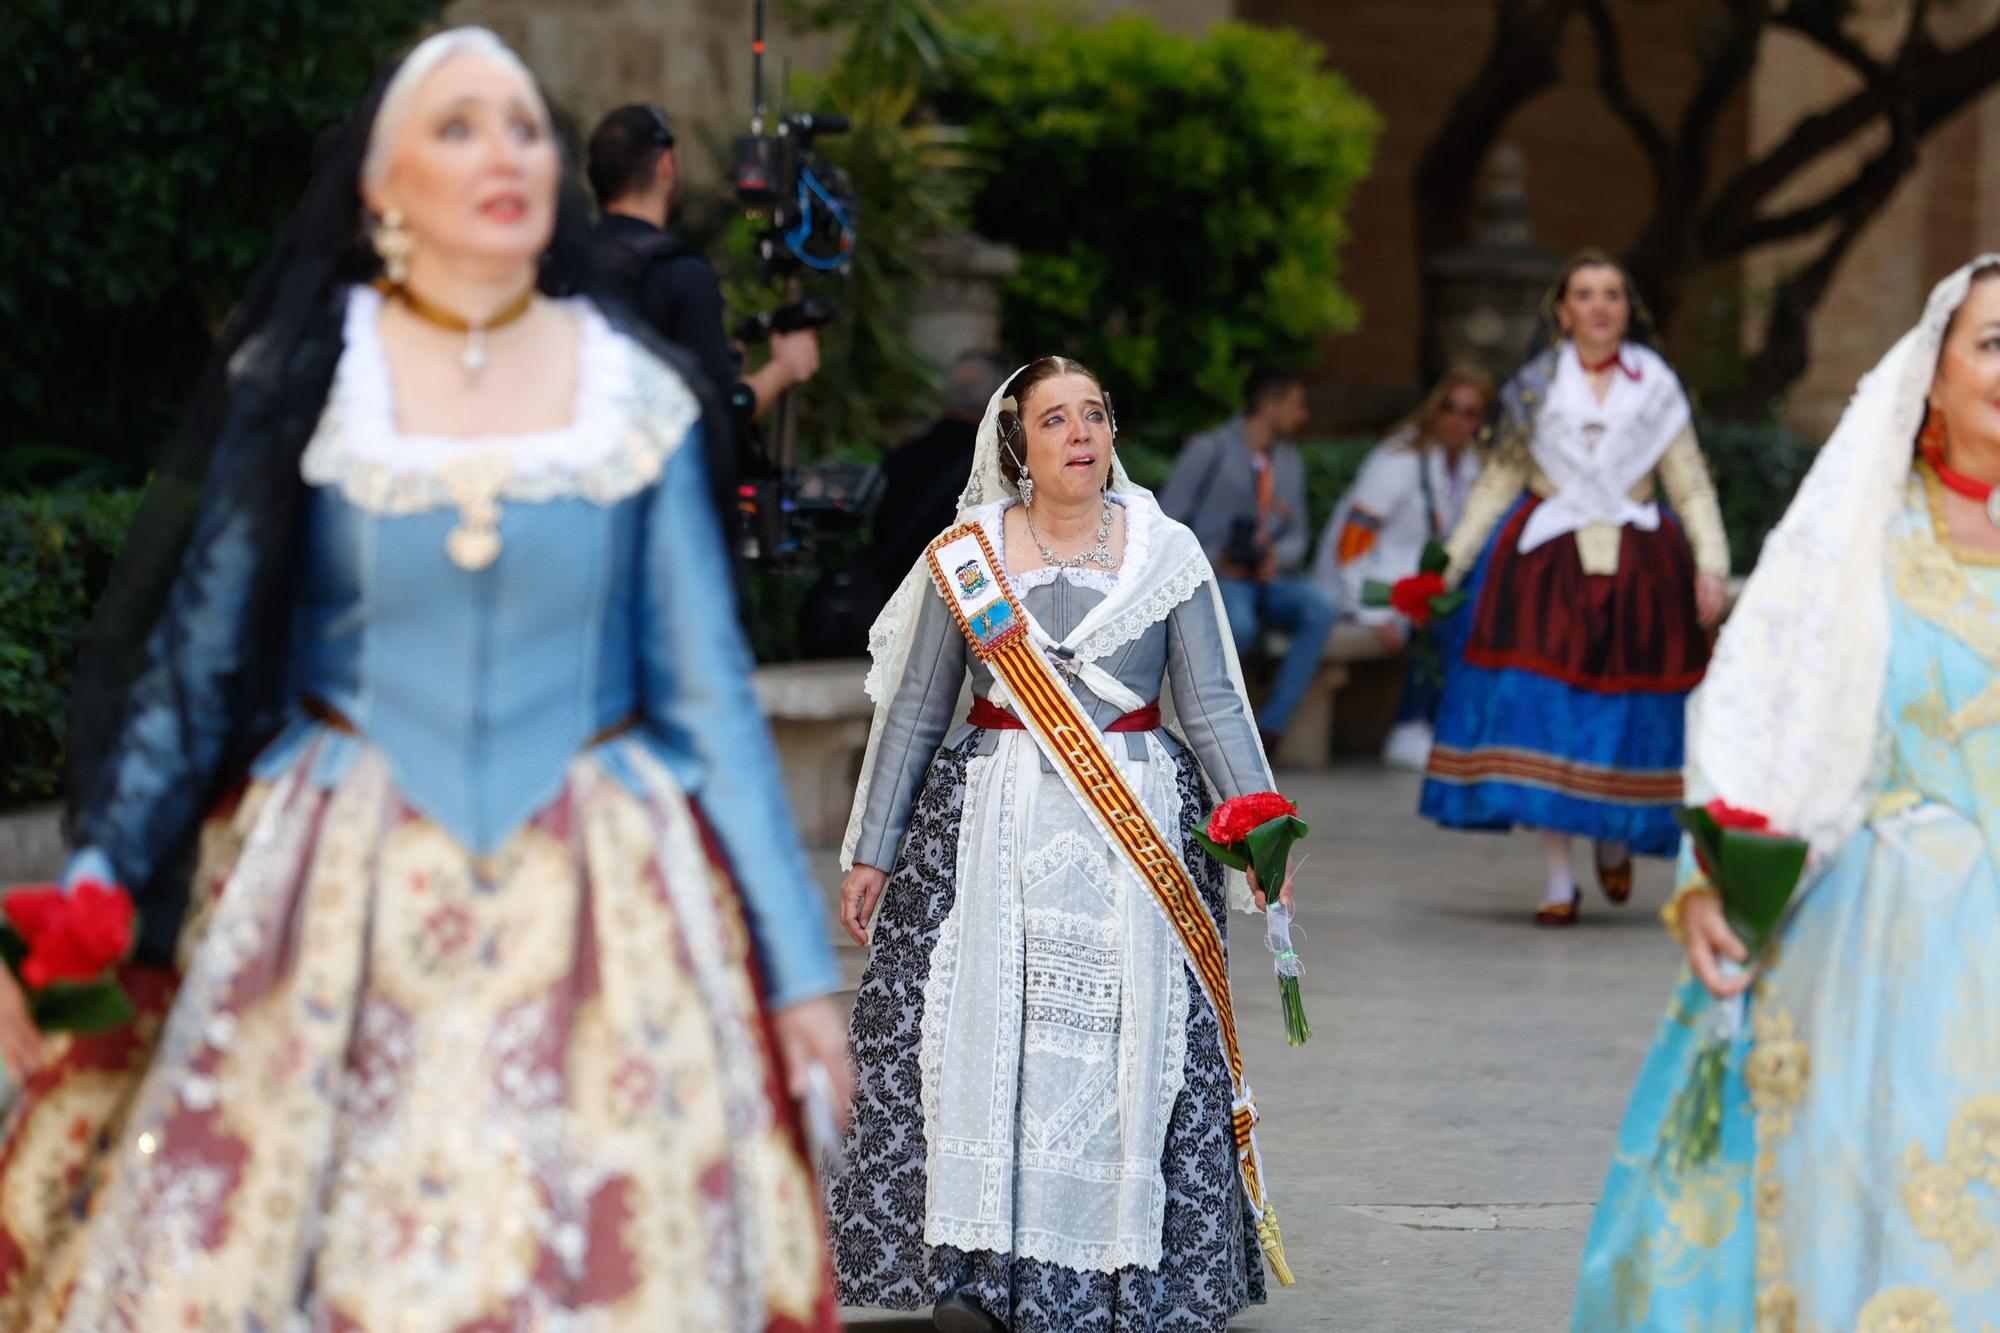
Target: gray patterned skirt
{"points": [[1210, 1266]]}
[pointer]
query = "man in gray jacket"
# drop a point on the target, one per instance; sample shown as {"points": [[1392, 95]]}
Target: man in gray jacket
{"points": [[1242, 488]]}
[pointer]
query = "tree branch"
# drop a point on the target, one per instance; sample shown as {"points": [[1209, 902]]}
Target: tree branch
{"points": [[1520, 63], [1928, 85], [1617, 90], [1877, 177], [1720, 79], [1815, 24], [1787, 348]]}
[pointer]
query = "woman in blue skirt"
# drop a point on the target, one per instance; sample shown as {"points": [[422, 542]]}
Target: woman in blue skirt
{"points": [[1852, 703], [1567, 673]]}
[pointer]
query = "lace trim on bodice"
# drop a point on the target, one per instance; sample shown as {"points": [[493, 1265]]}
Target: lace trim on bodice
{"points": [[624, 425]]}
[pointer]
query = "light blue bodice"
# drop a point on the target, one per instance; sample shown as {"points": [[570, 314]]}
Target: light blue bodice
{"points": [[1941, 702], [610, 601]]}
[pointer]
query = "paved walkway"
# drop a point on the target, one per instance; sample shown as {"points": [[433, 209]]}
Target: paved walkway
{"points": [[1435, 1150]]}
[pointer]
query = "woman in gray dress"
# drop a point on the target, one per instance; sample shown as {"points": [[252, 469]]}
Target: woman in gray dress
{"points": [[1042, 1136]]}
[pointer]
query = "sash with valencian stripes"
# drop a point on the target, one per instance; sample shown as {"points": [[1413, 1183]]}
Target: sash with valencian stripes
{"points": [[976, 589]]}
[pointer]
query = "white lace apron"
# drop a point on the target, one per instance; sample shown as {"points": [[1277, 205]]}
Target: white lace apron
{"points": [[1057, 961]]}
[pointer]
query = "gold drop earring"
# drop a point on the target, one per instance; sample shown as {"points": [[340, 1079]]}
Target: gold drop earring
{"points": [[394, 243]]}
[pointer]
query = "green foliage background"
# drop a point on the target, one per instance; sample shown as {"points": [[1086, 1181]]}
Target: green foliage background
{"points": [[1178, 202], [55, 552], [153, 149]]}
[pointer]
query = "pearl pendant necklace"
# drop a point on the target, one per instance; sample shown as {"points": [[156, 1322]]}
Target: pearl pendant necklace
{"points": [[473, 355], [1100, 554]]}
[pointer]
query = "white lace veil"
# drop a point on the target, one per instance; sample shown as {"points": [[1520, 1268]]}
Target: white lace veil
{"points": [[1171, 564], [1787, 722]]}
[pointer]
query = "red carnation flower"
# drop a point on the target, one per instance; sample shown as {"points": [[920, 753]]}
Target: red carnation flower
{"points": [[1233, 820], [1728, 816], [1412, 596], [75, 936]]}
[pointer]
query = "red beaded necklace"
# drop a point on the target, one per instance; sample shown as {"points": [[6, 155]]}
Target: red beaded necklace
{"points": [[1985, 492]]}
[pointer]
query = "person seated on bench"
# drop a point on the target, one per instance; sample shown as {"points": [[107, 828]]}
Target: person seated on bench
{"points": [[1242, 488], [1411, 489]]}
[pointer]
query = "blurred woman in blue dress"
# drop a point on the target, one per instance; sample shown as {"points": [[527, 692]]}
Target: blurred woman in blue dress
{"points": [[1854, 702], [500, 961]]}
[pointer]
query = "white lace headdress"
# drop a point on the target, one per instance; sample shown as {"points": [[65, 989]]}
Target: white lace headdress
{"points": [[1169, 570], [1787, 722]]}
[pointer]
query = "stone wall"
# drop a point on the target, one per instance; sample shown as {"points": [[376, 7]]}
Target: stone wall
{"points": [[1946, 211], [694, 59], [1585, 178], [1588, 186], [1585, 182]]}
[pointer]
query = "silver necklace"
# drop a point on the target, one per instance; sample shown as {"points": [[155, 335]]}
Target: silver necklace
{"points": [[1099, 554]]}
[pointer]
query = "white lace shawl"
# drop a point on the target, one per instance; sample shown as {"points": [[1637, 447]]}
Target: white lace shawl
{"points": [[1787, 722], [1594, 452], [1157, 575]]}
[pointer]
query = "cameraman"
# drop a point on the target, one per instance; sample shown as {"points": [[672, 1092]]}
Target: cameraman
{"points": [[1242, 488], [636, 176]]}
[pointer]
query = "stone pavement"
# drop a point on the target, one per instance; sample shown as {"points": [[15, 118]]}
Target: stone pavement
{"points": [[1434, 1152]]}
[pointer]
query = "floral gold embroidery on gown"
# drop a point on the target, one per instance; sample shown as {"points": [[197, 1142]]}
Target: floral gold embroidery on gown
{"points": [[1858, 1184]]}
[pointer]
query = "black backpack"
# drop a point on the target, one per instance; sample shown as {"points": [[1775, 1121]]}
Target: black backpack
{"points": [[630, 260]]}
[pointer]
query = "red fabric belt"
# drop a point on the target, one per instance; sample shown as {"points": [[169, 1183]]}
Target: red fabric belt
{"points": [[993, 718]]}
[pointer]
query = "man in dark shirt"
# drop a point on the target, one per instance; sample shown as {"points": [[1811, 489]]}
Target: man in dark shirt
{"points": [[635, 174], [921, 477]]}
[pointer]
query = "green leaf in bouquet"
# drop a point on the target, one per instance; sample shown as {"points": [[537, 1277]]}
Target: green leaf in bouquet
{"points": [[13, 949], [87, 1007], [1375, 592], [1229, 856], [1445, 603], [1755, 873], [1759, 872], [1270, 845], [1435, 559], [1704, 831]]}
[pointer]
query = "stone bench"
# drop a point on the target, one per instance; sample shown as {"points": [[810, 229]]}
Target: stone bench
{"points": [[1308, 742], [819, 715]]}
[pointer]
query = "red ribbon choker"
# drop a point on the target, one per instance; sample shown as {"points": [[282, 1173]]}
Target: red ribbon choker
{"points": [[1617, 359], [1985, 493], [1981, 491]]}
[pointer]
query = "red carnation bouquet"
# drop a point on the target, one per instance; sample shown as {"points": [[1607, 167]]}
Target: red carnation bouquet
{"points": [[1421, 599], [62, 946], [1256, 832], [1755, 870]]}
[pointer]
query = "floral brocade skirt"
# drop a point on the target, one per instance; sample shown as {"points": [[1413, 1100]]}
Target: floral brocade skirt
{"points": [[401, 1087]]}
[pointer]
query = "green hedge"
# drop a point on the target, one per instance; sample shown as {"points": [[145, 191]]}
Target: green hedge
{"points": [[1179, 203], [1757, 466], [56, 549]]}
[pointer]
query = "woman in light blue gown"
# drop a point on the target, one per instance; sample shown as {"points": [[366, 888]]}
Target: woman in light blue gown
{"points": [[1855, 700]]}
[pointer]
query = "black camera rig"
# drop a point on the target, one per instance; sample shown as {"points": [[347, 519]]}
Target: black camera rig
{"points": [[810, 228]]}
